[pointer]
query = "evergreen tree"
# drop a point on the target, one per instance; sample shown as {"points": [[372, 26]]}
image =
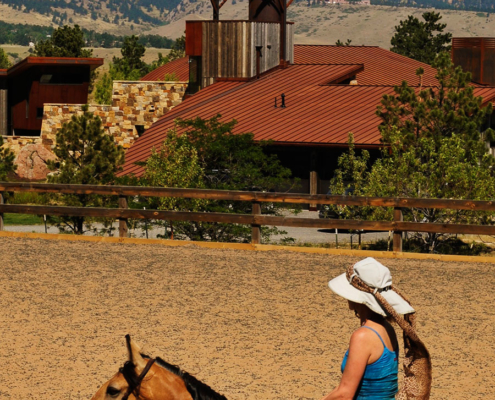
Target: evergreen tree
{"points": [[178, 49], [132, 53], [434, 147], [85, 155], [449, 109], [421, 41], [64, 42]]}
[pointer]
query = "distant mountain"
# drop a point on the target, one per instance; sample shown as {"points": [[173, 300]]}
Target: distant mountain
{"points": [[465, 5], [158, 12], [112, 11]]}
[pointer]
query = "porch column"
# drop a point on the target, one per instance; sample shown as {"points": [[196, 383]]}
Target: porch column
{"points": [[313, 179]]}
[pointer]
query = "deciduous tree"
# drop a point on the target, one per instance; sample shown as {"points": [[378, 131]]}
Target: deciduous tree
{"points": [[4, 59], [209, 155]]}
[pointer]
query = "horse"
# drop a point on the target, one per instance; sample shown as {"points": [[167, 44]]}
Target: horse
{"points": [[146, 378]]}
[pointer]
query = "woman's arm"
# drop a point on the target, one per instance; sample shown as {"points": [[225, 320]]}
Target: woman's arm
{"points": [[359, 353]]}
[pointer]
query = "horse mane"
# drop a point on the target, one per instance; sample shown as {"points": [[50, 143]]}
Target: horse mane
{"points": [[197, 389]]}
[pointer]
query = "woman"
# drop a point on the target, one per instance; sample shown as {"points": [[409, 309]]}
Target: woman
{"points": [[370, 365]]}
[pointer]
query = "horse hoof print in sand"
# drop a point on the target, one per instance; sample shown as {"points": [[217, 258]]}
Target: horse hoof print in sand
{"points": [[146, 378]]}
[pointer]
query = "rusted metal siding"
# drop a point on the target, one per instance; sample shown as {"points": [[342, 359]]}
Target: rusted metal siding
{"points": [[476, 55], [194, 38]]}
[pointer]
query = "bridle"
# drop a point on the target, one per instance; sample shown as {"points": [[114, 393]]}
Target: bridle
{"points": [[135, 384]]}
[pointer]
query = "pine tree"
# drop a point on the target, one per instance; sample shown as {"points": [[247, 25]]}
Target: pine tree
{"points": [[85, 155], [64, 42], [421, 41]]}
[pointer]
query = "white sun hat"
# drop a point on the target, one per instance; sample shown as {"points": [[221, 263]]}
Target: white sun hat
{"points": [[377, 276]]}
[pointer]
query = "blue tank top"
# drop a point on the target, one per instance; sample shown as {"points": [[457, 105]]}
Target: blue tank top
{"points": [[380, 380]]}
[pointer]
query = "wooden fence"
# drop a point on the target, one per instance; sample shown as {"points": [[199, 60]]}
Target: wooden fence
{"points": [[255, 219]]}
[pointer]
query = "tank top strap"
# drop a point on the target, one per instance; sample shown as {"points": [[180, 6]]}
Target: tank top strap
{"points": [[377, 334]]}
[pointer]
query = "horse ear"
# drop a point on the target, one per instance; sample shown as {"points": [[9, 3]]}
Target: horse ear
{"points": [[135, 354]]}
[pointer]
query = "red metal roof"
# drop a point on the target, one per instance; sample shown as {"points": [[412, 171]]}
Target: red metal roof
{"points": [[382, 67], [317, 113], [180, 67]]}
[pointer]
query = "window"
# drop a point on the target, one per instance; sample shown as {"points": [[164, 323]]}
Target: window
{"points": [[39, 113], [140, 129]]}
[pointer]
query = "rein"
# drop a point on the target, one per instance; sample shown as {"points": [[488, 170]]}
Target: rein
{"points": [[134, 385]]}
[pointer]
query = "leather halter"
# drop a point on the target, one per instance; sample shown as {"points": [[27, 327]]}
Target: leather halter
{"points": [[135, 386]]}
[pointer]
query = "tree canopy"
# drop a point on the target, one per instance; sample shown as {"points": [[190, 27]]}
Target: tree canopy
{"points": [[421, 40], [209, 155], [131, 61], [65, 41], [434, 147], [85, 155]]}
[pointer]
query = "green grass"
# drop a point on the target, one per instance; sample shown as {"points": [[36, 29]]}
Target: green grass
{"points": [[22, 219]]}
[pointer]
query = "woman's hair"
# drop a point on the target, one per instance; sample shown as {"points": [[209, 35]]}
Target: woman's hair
{"points": [[370, 314]]}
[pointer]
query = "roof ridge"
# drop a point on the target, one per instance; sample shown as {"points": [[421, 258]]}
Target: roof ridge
{"points": [[334, 45]]}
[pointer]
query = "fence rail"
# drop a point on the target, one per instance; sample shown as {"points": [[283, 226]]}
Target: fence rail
{"points": [[255, 219]]}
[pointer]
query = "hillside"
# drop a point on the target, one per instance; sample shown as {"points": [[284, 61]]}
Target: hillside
{"points": [[325, 24]]}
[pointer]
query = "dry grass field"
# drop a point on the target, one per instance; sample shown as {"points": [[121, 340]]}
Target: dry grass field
{"points": [[325, 24], [253, 325]]}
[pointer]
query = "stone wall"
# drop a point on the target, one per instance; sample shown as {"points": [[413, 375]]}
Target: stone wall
{"points": [[135, 107]]}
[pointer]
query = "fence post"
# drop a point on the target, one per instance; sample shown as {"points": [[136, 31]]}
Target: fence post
{"points": [[398, 217], [256, 229], [1, 214], [122, 221]]}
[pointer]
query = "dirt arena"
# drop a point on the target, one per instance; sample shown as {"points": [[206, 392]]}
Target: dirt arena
{"points": [[253, 325]]}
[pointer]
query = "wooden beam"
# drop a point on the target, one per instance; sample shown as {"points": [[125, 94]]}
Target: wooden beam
{"points": [[250, 219], [216, 10], [287, 198]]}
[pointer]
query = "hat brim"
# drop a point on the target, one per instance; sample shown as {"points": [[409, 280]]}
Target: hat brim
{"points": [[341, 286]]}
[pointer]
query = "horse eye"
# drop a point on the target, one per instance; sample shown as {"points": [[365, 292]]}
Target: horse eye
{"points": [[111, 391]]}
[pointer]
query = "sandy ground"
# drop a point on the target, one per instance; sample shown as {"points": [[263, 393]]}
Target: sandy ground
{"points": [[253, 325]]}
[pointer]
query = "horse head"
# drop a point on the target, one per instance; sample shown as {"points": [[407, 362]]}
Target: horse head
{"points": [[144, 379]]}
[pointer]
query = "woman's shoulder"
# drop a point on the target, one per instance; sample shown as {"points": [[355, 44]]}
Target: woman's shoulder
{"points": [[362, 336]]}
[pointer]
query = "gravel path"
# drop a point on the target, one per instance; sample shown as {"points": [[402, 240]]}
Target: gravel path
{"points": [[253, 325], [300, 235]]}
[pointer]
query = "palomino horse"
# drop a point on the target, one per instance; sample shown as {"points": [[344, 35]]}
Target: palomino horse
{"points": [[145, 378]]}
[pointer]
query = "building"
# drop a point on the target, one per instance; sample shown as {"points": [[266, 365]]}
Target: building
{"points": [[306, 107], [28, 85], [476, 55]]}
